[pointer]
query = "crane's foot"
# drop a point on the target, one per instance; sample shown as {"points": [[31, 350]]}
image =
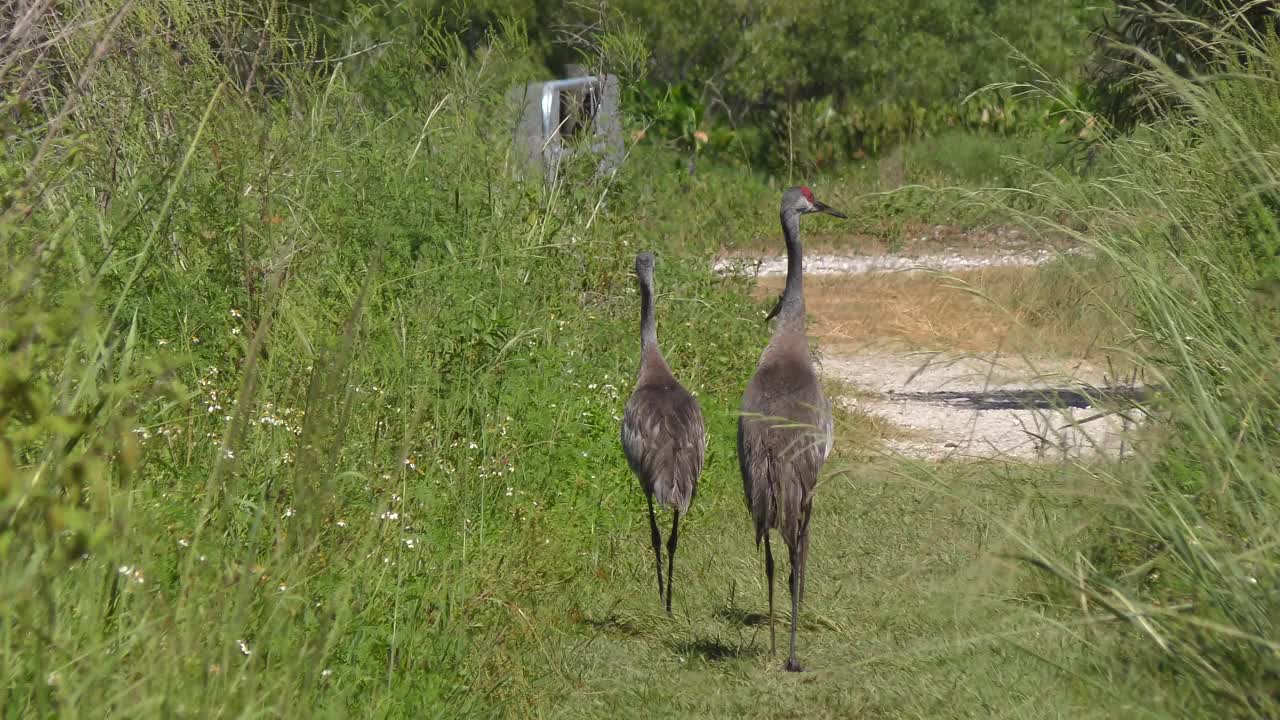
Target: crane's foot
{"points": [[793, 665]]}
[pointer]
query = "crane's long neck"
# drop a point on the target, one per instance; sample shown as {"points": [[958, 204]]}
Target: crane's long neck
{"points": [[791, 309], [648, 319]]}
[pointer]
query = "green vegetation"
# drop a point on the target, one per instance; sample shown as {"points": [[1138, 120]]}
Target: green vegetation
{"points": [[307, 407], [289, 412]]}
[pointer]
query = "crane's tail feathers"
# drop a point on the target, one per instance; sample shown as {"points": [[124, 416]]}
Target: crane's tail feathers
{"points": [[780, 460]]}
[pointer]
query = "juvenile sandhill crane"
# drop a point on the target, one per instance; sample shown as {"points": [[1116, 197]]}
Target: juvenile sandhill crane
{"points": [[784, 431], [662, 431]]}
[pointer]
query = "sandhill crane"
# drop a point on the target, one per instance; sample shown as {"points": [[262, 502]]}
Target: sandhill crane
{"points": [[662, 431], [784, 431]]}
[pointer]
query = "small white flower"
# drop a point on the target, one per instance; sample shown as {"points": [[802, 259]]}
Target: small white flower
{"points": [[326, 672], [342, 523], [244, 648], [235, 331], [390, 515], [472, 445], [162, 342], [184, 542], [283, 587], [229, 454], [235, 313], [510, 491], [288, 513]]}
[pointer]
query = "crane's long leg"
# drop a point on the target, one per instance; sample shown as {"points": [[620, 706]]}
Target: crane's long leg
{"points": [[768, 571], [656, 537], [671, 555], [792, 664], [804, 552]]}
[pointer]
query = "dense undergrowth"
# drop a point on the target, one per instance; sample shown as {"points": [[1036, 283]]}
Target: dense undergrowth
{"points": [[305, 399], [1185, 557], [293, 392]]}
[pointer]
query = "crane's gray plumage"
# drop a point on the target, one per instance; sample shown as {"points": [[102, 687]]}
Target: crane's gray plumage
{"points": [[785, 430], [663, 435]]}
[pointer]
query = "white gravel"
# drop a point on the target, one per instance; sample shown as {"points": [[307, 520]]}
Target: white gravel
{"points": [[944, 428], [860, 264]]}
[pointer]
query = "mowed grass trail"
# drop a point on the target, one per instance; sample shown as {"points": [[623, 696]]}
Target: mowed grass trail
{"points": [[909, 612]]}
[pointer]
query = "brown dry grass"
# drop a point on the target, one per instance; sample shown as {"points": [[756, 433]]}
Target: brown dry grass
{"points": [[1016, 310]]}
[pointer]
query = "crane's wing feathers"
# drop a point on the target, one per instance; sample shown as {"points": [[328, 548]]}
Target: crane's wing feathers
{"points": [[784, 437], [664, 439]]}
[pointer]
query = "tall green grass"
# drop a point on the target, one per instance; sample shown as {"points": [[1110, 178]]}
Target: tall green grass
{"points": [[1185, 555], [294, 391]]}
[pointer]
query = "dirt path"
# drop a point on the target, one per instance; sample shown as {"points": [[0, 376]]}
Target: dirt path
{"points": [[967, 407], [1003, 385]]}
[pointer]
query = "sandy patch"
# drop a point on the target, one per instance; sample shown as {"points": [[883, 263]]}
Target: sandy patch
{"points": [[955, 407]]}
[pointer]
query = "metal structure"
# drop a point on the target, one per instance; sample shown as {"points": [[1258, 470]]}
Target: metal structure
{"points": [[551, 113]]}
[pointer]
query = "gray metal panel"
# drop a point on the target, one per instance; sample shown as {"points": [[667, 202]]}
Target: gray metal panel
{"points": [[608, 126], [524, 100], [540, 125]]}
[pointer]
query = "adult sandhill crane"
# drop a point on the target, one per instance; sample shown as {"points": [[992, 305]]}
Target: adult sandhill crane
{"points": [[662, 431], [784, 431]]}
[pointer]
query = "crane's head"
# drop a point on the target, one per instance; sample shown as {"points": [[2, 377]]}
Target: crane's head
{"points": [[644, 265], [799, 199]]}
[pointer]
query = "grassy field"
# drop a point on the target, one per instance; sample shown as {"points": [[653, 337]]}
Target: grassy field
{"points": [[309, 408], [910, 615]]}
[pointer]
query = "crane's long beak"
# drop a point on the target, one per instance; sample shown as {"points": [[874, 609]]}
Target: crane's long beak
{"points": [[823, 207]]}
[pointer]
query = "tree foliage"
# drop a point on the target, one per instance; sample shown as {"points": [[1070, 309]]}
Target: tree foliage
{"points": [[749, 56], [1186, 37]]}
